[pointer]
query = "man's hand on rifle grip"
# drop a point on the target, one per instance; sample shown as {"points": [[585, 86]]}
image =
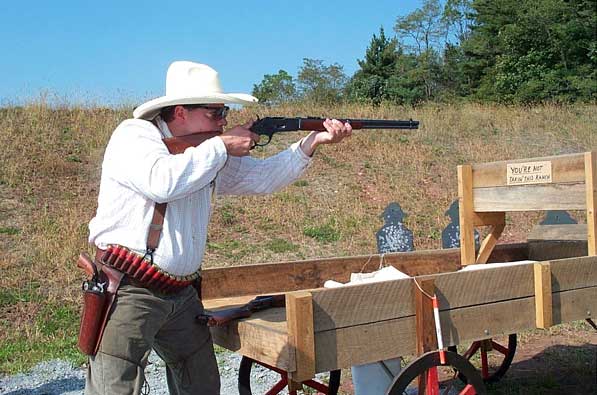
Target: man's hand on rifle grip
{"points": [[239, 140]]}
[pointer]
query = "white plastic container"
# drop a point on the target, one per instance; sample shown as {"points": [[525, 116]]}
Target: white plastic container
{"points": [[375, 378]]}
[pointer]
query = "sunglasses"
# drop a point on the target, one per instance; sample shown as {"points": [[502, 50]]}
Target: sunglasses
{"points": [[215, 113]]}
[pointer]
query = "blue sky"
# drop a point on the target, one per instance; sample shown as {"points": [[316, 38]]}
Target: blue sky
{"points": [[112, 52]]}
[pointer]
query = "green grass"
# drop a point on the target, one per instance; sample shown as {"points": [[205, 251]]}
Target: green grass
{"points": [[53, 335], [9, 230], [326, 233], [10, 297], [280, 245]]}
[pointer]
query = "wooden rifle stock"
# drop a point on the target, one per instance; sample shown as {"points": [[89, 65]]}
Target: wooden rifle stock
{"points": [[177, 145], [223, 317]]}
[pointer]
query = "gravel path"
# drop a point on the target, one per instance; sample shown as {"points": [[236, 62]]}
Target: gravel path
{"points": [[59, 377]]}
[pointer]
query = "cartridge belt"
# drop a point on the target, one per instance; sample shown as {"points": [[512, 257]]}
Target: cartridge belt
{"points": [[141, 272]]}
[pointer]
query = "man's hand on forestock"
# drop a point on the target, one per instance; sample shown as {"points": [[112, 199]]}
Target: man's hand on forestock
{"points": [[239, 140], [335, 132]]}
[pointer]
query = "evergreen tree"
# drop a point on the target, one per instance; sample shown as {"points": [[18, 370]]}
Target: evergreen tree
{"points": [[370, 82]]}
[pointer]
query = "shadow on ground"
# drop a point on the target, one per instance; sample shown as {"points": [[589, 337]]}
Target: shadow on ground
{"points": [[557, 369], [55, 387]]}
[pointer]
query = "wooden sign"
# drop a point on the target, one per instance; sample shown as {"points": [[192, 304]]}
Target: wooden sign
{"points": [[529, 173]]}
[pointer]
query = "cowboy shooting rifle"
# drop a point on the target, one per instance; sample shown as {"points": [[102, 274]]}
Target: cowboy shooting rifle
{"points": [[270, 125]]}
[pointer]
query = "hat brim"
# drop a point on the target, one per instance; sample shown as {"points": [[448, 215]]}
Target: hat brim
{"points": [[152, 108]]}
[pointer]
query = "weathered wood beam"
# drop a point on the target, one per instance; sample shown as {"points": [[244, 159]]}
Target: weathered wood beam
{"points": [[564, 168], [591, 193], [543, 300]]}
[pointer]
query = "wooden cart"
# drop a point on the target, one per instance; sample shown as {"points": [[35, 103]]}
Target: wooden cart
{"points": [[323, 330]]}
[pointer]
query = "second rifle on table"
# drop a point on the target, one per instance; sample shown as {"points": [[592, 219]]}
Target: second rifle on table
{"points": [[224, 316]]}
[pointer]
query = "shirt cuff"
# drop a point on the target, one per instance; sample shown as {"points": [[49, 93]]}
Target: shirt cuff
{"points": [[300, 154], [220, 147]]}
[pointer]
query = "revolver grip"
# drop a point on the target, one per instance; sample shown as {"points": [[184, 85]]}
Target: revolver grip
{"points": [[86, 263]]}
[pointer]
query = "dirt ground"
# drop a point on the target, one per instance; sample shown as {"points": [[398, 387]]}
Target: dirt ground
{"points": [[560, 361]]}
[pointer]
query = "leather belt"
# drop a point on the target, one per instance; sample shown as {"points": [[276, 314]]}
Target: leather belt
{"points": [[150, 278]]}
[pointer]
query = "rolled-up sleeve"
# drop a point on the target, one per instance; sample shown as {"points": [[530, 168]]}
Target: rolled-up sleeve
{"points": [[249, 176]]}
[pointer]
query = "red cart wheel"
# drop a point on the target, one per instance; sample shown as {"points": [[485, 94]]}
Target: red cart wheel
{"points": [[490, 349], [244, 380], [426, 367]]}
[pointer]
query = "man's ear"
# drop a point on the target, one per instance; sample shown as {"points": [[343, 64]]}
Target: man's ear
{"points": [[180, 113]]}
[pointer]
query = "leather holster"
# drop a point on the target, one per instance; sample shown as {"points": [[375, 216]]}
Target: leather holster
{"points": [[97, 305]]}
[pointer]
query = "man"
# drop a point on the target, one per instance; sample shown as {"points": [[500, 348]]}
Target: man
{"points": [[138, 172]]}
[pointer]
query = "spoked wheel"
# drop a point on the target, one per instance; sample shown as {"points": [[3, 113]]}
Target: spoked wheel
{"points": [[495, 357], [244, 380], [426, 366]]}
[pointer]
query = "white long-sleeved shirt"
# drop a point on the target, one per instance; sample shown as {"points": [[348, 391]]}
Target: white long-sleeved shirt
{"points": [[138, 171]]}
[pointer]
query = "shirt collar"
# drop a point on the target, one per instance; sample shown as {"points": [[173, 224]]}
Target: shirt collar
{"points": [[163, 127]]}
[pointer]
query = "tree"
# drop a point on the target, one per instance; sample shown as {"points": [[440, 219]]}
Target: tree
{"points": [[457, 18], [532, 50], [425, 26], [320, 83], [369, 83], [275, 88], [428, 28]]}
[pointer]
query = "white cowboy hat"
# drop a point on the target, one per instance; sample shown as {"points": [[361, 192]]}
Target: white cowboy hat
{"points": [[190, 83]]}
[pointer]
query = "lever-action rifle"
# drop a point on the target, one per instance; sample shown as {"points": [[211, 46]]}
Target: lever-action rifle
{"points": [[222, 317], [269, 126]]}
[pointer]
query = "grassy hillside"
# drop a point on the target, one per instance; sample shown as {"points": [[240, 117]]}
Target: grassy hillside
{"points": [[49, 177]]}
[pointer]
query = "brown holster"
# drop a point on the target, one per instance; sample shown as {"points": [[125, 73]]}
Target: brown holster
{"points": [[99, 293]]}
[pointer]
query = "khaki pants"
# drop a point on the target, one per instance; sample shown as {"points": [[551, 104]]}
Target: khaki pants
{"points": [[142, 320]]}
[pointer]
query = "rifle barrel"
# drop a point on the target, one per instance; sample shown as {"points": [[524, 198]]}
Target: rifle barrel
{"points": [[383, 124], [317, 124]]}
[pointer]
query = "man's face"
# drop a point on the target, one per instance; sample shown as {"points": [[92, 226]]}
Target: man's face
{"points": [[207, 118]]}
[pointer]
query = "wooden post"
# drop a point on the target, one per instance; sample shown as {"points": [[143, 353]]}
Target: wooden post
{"points": [[301, 336], [543, 297], [489, 243], [591, 186], [467, 229], [424, 322]]}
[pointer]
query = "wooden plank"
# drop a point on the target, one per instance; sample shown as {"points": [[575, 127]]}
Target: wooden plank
{"points": [[375, 302], [280, 277], [543, 313], [484, 219], [489, 243], [591, 191], [467, 229], [388, 339], [307, 274], [488, 285], [573, 273], [361, 304], [424, 319], [263, 337], [550, 250], [565, 168], [356, 345], [569, 232], [530, 197], [299, 314], [577, 304]]}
